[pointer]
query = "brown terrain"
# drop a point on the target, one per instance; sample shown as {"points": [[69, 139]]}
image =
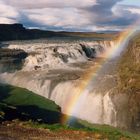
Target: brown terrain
{"points": [[18, 131]]}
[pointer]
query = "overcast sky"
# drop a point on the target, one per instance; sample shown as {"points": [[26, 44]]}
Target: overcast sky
{"points": [[71, 15]]}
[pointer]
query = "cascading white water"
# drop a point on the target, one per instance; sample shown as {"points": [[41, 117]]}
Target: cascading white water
{"points": [[94, 107], [55, 55]]}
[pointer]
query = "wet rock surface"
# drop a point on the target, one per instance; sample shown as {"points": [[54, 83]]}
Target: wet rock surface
{"points": [[98, 84], [11, 59]]}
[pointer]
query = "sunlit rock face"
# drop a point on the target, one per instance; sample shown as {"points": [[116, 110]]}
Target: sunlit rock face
{"points": [[57, 71]]}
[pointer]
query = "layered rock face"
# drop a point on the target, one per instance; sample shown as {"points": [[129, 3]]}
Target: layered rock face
{"points": [[71, 75], [11, 59], [128, 71]]}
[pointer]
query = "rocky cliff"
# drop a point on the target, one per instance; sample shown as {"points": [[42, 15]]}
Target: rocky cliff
{"points": [[128, 83], [11, 59], [96, 95]]}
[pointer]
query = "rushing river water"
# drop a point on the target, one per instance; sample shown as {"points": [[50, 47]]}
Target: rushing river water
{"points": [[64, 73]]}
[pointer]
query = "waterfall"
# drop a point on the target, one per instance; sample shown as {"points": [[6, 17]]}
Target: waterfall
{"points": [[62, 86], [52, 55], [95, 108]]}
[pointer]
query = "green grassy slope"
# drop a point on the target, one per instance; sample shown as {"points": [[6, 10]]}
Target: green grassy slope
{"points": [[23, 104], [111, 132]]}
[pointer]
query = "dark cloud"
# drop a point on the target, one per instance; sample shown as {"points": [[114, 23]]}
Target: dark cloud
{"points": [[104, 15], [84, 15]]}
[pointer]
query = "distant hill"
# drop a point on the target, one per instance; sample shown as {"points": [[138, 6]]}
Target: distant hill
{"points": [[19, 32]]}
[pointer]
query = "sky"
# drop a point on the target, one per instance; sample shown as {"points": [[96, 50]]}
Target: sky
{"points": [[71, 15], [131, 2]]}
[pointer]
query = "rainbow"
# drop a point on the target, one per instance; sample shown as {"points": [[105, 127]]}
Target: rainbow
{"points": [[86, 82]]}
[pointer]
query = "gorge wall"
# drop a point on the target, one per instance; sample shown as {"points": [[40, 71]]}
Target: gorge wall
{"points": [[58, 71]]}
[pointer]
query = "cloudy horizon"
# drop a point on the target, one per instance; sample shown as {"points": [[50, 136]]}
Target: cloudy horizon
{"points": [[74, 15]]}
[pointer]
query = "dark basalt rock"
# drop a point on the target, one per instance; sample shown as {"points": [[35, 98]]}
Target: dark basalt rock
{"points": [[90, 52], [14, 53], [11, 59]]}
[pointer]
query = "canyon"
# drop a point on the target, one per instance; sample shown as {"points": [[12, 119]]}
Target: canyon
{"points": [[77, 76]]}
